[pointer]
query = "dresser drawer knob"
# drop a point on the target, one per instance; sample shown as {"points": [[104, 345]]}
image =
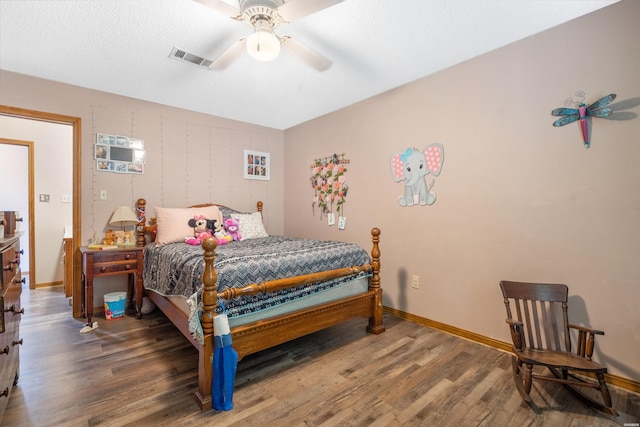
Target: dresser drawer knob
{"points": [[127, 267], [21, 252], [103, 269], [13, 309], [128, 256], [19, 342], [19, 219], [5, 392], [5, 350]]}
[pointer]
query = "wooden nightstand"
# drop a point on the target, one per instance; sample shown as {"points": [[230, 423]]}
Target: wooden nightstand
{"points": [[96, 263]]}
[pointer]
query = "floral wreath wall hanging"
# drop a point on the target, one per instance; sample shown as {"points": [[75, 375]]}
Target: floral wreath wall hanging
{"points": [[330, 188]]}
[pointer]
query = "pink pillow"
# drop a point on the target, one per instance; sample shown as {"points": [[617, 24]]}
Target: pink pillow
{"points": [[173, 222]]}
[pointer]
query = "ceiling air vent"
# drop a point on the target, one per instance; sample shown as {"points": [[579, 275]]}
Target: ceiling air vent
{"points": [[183, 55]]}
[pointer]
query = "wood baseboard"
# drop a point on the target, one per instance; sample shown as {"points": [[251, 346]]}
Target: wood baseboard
{"points": [[612, 379], [47, 284]]}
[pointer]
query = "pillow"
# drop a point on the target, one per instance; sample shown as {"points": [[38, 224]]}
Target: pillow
{"points": [[250, 225], [226, 212], [173, 223]]}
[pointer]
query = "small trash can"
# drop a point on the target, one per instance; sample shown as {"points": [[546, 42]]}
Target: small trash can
{"points": [[114, 304]]}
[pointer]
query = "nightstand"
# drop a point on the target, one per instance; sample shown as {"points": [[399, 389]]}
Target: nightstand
{"points": [[110, 262]]}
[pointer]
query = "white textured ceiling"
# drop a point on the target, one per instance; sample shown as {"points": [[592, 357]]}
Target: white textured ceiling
{"points": [[123, 46]]}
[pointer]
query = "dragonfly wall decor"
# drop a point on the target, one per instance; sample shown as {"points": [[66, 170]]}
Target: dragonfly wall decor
{"points": [[582, 112]]}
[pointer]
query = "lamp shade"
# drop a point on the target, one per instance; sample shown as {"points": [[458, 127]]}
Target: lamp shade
{"points": [[123, 216], [263, 45]]}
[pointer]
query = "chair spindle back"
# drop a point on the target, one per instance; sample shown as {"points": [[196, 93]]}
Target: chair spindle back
{"points": [[542, 309]]}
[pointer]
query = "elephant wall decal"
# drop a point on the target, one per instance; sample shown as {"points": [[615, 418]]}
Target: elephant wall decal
{"points": [[412, 166]]}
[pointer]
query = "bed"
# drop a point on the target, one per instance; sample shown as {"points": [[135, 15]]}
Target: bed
{"points": [[266, 307]]}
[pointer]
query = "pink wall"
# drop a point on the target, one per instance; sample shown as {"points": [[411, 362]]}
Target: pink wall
{"points": [[191, 157], [517, 199]]}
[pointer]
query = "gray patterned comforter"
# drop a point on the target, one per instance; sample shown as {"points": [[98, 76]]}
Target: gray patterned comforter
{"points": [[176, 269]]}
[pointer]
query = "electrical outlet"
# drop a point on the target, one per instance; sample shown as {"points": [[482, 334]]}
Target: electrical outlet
{"points": [[415, 282], [103, 194]]}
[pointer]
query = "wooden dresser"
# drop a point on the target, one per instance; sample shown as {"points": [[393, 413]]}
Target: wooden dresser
{"points": [[10, 341]]}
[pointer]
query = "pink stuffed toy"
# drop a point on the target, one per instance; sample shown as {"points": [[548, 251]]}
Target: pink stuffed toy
{"points": [[233, 228], [201, 230]]}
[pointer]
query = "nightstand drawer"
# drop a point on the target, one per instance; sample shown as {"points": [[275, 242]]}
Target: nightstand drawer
{"points": [[113, 256], [115, 267]]}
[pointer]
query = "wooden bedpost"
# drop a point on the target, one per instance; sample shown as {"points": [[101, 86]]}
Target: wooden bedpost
{"points": [[209, 289], [141, 206], [209, 301], [376, 325]]}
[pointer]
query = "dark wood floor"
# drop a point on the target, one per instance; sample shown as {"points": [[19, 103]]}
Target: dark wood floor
{"points": [[131, 372]]}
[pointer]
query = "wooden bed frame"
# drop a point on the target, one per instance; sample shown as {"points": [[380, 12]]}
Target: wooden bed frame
{"points": [[260, 335]]}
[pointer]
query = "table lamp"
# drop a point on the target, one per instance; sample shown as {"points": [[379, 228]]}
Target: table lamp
{"points": [[124, 216]]}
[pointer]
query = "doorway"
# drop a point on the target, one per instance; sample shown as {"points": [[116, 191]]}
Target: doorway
{"points": [[75, 123], [17, 194]]}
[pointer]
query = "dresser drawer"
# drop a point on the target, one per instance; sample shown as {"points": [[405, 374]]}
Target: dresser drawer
{"points": [[10, 259], [10, 339], [9, 365]]}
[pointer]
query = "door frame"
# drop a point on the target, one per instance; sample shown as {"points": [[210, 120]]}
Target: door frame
{"points": [[30, 185], [76, 123]]}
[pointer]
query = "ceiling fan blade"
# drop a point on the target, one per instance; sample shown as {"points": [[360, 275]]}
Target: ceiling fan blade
{"points": [[230, 55], [297, 9], [305, 54], [222, 7]]}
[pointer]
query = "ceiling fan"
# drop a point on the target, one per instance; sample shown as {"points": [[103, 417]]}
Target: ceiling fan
{"points": [[264, 16]]}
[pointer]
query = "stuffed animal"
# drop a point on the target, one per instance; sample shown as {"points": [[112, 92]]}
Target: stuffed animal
{"points": [[109, 238], [201, 229], [233, 228], [221, 235]]}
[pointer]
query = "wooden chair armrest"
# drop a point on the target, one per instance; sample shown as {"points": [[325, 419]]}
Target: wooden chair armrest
{"points": [[517, 333], [585, 329], [586, 340]]}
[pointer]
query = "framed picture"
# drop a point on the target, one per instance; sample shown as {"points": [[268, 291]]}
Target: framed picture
{"points": [[102, 152], [105, 166], [256, 165], [117, 153]]}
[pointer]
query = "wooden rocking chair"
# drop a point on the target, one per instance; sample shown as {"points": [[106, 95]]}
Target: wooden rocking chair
{"points": [[540, 334]]}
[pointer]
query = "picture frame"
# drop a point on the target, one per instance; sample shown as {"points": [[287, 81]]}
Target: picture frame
{"points": [[257, 165], [119, 154], [124, 238]]}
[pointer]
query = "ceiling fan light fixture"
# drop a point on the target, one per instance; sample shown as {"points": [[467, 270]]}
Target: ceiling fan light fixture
{"points": [[263, 44]]}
